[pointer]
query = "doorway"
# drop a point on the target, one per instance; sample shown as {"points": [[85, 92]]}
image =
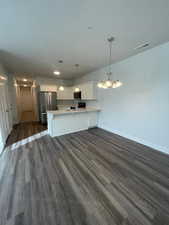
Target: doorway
{"points": [[27, 107]]}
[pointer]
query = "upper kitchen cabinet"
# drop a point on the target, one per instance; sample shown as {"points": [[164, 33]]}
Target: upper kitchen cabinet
{"points": [[50, 88], [88, 90], [66, 94]]}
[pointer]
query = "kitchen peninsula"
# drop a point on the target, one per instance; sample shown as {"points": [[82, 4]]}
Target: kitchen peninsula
{"points": [[62, 122]]}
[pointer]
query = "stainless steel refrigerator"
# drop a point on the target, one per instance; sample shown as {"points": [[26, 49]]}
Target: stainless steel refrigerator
{"points": [[47, 101]]}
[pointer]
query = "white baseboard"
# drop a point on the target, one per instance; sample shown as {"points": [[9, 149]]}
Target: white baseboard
{"points": [[139, 140], [25, 141]]}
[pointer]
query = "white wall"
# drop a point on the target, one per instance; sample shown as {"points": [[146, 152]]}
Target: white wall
{"points": [[13, 96], [2, 72], [139, 109]]}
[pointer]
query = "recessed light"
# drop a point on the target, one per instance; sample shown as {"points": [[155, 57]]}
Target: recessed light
{"points": [[25, 85], [56, 72], [3, 78], [142, 46], [25, 80], [77, 89], [89, 27]]}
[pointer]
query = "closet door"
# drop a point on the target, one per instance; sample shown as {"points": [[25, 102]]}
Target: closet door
{"points": [[5, 122], [9, 110]]}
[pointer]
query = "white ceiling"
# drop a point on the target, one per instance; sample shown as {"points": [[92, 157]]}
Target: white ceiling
{"points": [[35, 34]]}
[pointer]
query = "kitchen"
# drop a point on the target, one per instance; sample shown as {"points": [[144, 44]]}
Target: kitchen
{"points": [[60, 106]]}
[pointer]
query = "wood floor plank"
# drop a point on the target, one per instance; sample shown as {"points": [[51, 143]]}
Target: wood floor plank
{"points": [[91, 177], [24, 130]]}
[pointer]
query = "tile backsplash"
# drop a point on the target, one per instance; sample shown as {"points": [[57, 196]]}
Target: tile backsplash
{"points": [[64, 104]]}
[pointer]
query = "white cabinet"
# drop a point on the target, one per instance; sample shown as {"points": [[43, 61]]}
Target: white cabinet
{"points": [[52, 88], [67, 94], [88, 90], [92, 120], [70, 122]]}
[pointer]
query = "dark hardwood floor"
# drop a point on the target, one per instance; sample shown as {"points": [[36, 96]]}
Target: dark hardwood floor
{"points": [[87, 178], [24, 130]]}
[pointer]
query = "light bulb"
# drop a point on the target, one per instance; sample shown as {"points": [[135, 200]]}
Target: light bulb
{"points": [[118, 83], [56, 72], [114, 84], [3, 78], [61, 88], [108, 83], [100, 85], [104, 85], [77, 89]]}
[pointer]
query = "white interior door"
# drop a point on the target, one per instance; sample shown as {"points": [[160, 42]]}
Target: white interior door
{"points": [[5, 118], [8, 109]]}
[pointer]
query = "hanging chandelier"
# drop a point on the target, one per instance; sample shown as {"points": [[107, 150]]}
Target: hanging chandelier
{"points": [[109, 83]]}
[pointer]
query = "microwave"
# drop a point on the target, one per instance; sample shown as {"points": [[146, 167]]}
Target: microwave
{"points": [[77, 95]]}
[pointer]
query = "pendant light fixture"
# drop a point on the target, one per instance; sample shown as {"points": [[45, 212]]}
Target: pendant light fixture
{"points": [[109, 83], [77, 89], [61, 88]]}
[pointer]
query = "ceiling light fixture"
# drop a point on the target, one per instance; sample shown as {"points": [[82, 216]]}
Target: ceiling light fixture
{"points": [[25, 80], [77, 68], [61, 88], [77, 89], [60, 61], [56, 72], [3, 78], [109, 83]]}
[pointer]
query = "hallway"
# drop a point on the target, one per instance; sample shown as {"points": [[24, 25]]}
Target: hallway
{"points": [[28, 116], [23, 131]]}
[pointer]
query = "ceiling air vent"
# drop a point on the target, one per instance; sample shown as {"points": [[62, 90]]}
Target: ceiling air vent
{"points": [[145, 45]]}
